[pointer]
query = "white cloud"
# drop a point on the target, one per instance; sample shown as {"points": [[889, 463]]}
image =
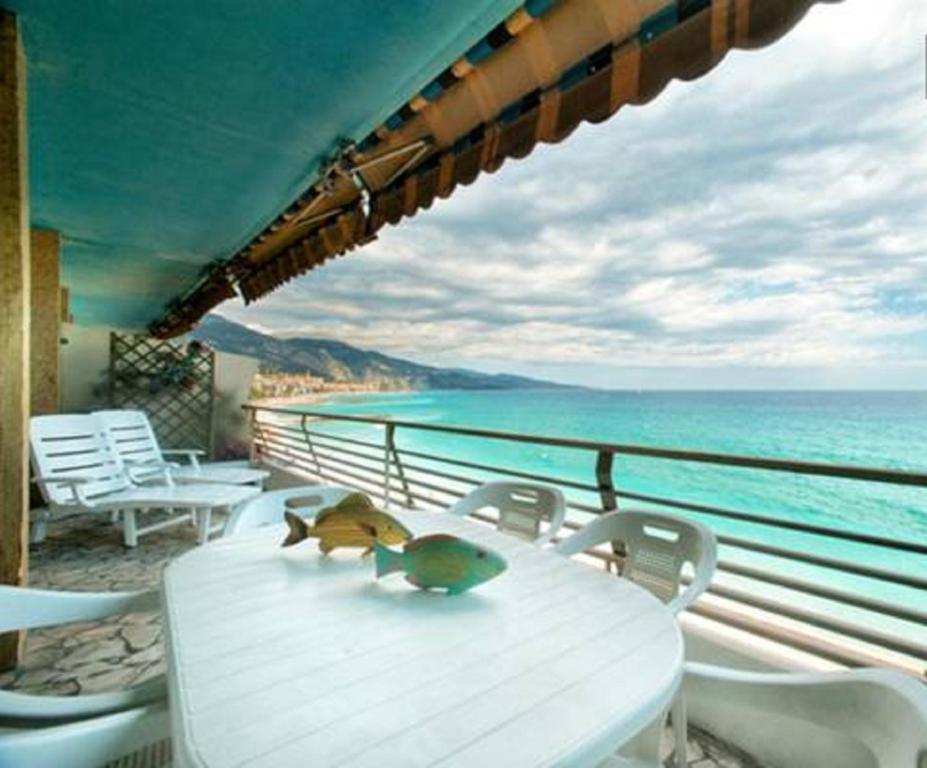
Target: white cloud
{"points": [[772, 215]]}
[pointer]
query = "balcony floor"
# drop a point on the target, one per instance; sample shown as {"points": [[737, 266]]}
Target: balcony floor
{"points": [[86, 553]]}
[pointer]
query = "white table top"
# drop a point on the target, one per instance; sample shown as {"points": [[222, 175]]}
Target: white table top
{"points": [[287, 658]]}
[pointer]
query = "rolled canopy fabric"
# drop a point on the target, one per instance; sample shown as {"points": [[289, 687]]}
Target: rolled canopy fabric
{"points": [[536, 76]]}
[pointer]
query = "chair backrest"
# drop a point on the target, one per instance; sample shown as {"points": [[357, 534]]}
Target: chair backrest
{"points": [[867, 718], [130, 435], [268, 508], [72, 445], [523, 509], [657, 547]]}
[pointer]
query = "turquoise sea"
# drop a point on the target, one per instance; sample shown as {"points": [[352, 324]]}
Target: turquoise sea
{"points": [[880, 429]]}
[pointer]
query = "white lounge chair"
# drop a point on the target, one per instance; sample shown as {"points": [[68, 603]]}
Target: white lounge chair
{"points": [[131, 436], [657, 547], [865, 718], [522, 508], [268, 508], [23, 608], [78, 472], [139, 738]]}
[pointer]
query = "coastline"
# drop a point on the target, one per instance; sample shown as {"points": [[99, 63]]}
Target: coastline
{"points": [[319, 398]]}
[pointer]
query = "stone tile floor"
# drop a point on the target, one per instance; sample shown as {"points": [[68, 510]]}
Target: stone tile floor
{"points": [[85, 553]]}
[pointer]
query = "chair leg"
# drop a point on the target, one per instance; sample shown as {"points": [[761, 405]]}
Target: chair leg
{"points": [[644, 748], [129, 528], [38, 527], [203, 516], [680, 730], [114, 516]]}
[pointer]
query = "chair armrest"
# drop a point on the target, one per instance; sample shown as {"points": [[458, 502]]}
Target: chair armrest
{"points": [[588, 537], [26, 608], [34, 710], [117, 738], [62, 479], [73, 482], [704, 571], [192, 454], [151, 469], [556, 520], [153, 464]]}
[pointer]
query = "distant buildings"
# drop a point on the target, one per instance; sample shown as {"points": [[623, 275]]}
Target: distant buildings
{"points": [[295, 385]]}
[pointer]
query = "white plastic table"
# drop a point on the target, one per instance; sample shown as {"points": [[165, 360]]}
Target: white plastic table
{"points": [[287, 658]]}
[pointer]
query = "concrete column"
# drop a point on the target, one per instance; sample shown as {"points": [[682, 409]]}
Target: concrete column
{"points": [[45, 313], [14, 321]]}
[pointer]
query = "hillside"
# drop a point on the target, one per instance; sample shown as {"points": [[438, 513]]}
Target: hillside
{"points": [[338, 362]]}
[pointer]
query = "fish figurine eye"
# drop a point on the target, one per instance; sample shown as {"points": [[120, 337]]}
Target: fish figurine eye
{"points": [[481, 554]]}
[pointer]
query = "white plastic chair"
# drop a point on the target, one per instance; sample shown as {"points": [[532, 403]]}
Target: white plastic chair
{"points": [[139, 738], [268, 508], [657, 547], [866, 718], [523, 508], [24, 608], [130, 436], [77, 471]]}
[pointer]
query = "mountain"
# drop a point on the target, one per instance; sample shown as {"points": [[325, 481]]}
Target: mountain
{"points": [[338, 362]]}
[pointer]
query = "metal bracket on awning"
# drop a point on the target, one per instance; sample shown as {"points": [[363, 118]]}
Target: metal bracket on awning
{"points": [[344, 165], [305, 223], [417, 148]]}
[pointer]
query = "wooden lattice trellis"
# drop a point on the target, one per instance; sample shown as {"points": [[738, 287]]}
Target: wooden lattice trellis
{"points": [[173, 383]]}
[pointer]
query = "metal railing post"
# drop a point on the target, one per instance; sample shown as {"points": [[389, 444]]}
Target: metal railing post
{"points": [[309, 445], [397, 462], [388, 449], [603, 475], [254, 450]]}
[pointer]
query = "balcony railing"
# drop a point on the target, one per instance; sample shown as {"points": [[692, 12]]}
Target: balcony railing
{"points": [[856, 597]]}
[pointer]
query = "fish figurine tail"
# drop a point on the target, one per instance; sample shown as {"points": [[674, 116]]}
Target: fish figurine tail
{"points": [[387, 560], [299, 529]]}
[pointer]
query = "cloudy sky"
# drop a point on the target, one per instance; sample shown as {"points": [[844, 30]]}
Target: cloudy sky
{"points": [[765, 226]]}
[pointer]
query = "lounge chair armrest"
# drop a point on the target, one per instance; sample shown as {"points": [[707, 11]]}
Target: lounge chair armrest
{"points": [[61, 479], [152, 464], [192, 454], [150, 469], [26, 608], [73, 482]]}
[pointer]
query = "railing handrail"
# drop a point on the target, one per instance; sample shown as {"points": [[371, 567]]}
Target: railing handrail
{"points": [[822, 469], [382, 469]]}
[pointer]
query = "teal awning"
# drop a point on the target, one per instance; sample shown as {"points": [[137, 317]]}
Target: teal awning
{"points": [[164, 136]]}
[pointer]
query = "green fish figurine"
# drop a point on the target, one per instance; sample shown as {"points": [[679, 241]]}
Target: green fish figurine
{"points": [[352, 522], [441, 561]]}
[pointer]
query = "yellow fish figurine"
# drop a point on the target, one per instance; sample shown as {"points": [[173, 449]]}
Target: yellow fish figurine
{"points": [[352, 522]]}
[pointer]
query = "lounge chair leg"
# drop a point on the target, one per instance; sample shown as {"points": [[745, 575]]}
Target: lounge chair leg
{"points": [[129, 528], [38, 527], [203, 517], [680, 731]]}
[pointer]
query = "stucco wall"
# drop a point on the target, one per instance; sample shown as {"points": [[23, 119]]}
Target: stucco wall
{"points": [[84, 368], [231, 430]]}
